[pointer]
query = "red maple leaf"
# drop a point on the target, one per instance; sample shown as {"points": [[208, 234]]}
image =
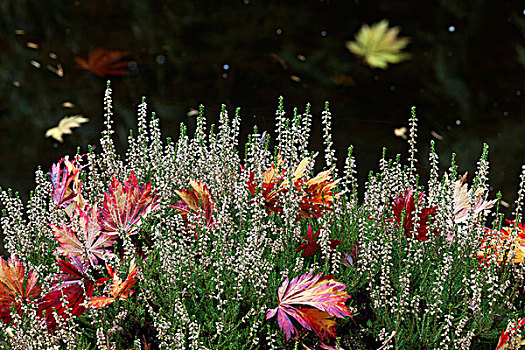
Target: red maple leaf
{"points": [[72, 286], [16, 287], [311, 300], [126, 204], [311, 245], [104, 62], [405, 203]]}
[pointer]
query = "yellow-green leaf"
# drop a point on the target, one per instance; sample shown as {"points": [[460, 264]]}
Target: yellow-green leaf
{"points": [[379, 45], [65, 125]]}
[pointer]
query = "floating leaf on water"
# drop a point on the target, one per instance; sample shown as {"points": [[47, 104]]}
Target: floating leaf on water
{"points": [[192, 112], [401, 132], [379, 45], [279, 60], [32, 45], [35, 63], [65, 125], [104, 62], [58, 70], [436, 135]]}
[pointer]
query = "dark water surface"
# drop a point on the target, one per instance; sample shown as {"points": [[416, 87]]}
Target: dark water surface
{"points": [[466, 76]]}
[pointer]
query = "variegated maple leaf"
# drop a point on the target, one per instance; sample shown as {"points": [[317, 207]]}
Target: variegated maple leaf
{"points": [[311, 301], [468, 204], [126, 204], [195, 199], [119, 289], [66, 185], [16, 287], [90, 242], [69, 292]]}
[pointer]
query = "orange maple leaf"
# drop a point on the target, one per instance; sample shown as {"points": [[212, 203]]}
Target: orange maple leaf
{"points": [[119, 289], [104, 62], [16, 287]]}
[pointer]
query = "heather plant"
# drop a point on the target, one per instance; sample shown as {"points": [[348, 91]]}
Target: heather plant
{"points": [[191, 244]]}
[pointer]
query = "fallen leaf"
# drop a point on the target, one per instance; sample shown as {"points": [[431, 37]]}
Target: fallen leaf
{"points": [[64, 126], [119, 289], [126, 204], [32, 45], [401, 132], [192, 112], [18, 287], [104, 62], [436, 135], [58, 70], [71, 287], [379, 45], [89, 242], [279, 60], [311, 301]]}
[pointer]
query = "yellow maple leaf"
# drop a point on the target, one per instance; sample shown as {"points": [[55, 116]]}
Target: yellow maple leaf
{"points": [[65, 125], [379, 45]]}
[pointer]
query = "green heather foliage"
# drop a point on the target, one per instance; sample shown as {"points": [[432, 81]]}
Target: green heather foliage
{"points": [[215, 233]]}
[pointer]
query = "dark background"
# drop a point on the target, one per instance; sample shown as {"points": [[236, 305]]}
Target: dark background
{"points": [[466, 75]]}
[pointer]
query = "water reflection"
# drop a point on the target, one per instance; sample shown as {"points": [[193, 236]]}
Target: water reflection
{"points": [[465, 68]]}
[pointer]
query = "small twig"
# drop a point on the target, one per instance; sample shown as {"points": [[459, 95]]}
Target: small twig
{"points": [[388, 340], [146, 345]]}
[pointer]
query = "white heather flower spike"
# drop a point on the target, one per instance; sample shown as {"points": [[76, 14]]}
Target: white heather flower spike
{"points": [[412, 143], [521, 194], [329, 153]]}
